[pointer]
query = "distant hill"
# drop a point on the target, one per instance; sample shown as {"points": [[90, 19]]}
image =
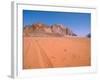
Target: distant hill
{"points": [[40, 29], [88, 35]]}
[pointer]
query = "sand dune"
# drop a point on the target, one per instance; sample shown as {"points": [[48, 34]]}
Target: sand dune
{"points": [[49, 52]]}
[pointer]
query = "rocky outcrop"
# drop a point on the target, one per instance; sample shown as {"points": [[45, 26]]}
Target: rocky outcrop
{"points": [[88, 35], [43, 29], [27, 30], [59, 29]]}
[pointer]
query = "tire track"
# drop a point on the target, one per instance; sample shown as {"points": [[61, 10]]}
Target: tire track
{"points": [[44, 59]]}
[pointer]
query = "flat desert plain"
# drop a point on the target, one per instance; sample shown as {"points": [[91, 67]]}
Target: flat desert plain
{"points": [[53, 52]]}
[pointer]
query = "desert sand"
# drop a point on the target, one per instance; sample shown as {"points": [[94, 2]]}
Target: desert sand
{"points": [[53, 52]]}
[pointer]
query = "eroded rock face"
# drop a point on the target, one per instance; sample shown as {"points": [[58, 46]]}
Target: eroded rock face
{"points": [[58, 28], [39, 27], [43, 29], [27, 30]]}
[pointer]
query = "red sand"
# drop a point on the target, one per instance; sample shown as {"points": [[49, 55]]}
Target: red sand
{"points": [[48, 52]]}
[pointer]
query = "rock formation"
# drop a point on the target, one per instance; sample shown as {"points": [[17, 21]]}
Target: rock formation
{"points": [[40, 29], [88, 35]]}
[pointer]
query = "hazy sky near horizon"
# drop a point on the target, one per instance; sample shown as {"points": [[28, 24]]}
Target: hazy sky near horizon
{"points": [[79, 23]]}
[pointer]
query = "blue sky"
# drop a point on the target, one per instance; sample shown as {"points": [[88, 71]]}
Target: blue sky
{"points": [[80, 23]]}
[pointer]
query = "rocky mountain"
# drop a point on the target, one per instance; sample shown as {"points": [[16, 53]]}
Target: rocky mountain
{"points": [[40, 29], [59, 29]]}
